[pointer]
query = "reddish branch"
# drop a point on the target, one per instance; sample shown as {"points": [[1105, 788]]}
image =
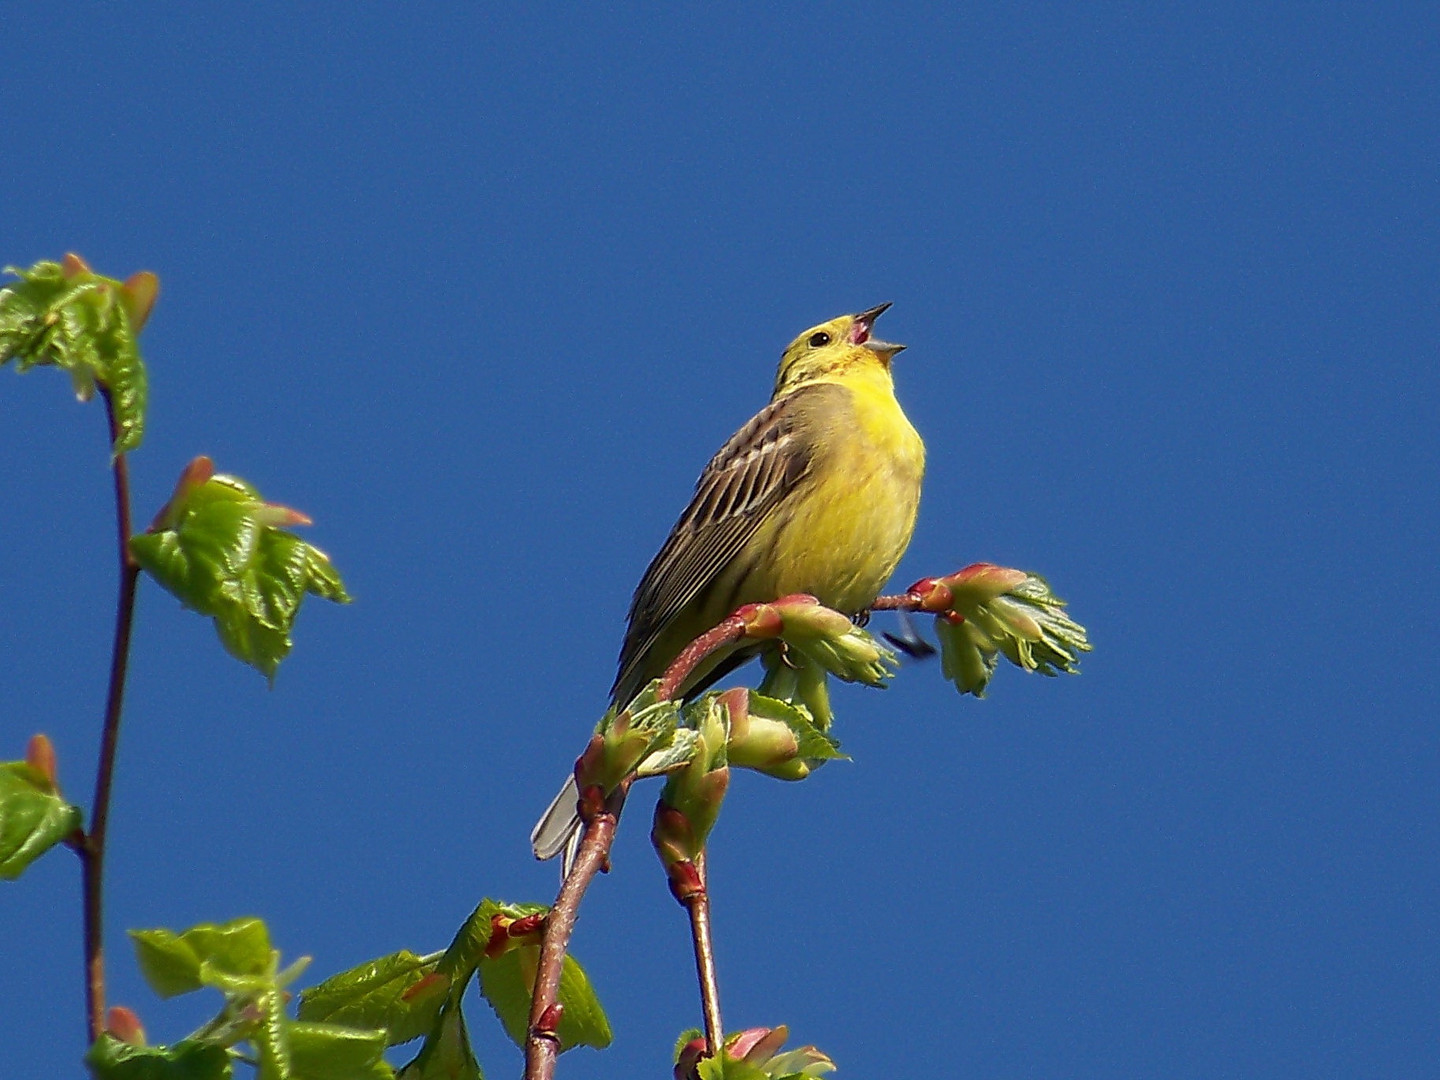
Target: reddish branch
{"points": [[90, 846], [698, 905], [907, 601], [542, 1044]]}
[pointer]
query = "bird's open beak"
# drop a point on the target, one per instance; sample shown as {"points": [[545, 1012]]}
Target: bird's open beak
{"points": [[860, 334]]}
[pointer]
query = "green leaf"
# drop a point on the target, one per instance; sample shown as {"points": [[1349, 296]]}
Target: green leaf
{"points": [[217, 549], [507, 982], [673, 753], [33, 817], [401, 993], [816, 747], [725, 1067], [111, 1059], [584, 1022], [446, 1054], [70, 317], [335, 1052], [205, 955]]}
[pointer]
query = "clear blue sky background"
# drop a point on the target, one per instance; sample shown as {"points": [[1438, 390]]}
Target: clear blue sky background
{"points": [[481, 289]]}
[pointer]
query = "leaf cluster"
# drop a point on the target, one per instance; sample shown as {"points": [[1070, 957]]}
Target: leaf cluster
{"points": [[218, 547], [65, 315]]}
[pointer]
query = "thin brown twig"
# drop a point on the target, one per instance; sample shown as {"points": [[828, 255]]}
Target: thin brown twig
{"points": [[542, 1044], [91, 847], [906, 601], [725, 633], [698, 905]]}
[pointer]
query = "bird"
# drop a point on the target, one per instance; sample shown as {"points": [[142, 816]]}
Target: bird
{"points": [[816, 494]]}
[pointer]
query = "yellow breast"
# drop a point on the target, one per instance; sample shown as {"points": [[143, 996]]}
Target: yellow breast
{"points": [[847, 532]]}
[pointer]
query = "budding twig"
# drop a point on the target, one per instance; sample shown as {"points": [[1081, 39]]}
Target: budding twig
{"points": [[542, 1045], [698, 905], [91, 845]]}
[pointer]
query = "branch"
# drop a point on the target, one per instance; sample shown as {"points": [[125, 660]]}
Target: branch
{"points": [[91, 847], [726, 633], [542, 1045], [698, 905], [906, 601]]}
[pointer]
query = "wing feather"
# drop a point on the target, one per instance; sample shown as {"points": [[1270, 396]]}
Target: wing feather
{"points": [[742, 485]]}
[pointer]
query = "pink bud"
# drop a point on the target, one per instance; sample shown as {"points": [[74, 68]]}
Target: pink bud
{"points": [[981, 582], [550, 1019], [758, 1045], [73, 265], [193, 477], [278, 517], [124, 1025], [761, 621], [933, 594], [138, 294], [40, 756], [687, 1065]]}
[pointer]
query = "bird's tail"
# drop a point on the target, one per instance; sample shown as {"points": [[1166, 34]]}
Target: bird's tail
{"points": [[558, 829]]}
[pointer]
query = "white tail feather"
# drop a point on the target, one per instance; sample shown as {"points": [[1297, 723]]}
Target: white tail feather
{"points": [[558, 829]]}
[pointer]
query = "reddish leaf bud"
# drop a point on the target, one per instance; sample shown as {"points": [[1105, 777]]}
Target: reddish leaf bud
{"points": [[933, 594], [40, 756], [138, 294], [757, 1045], [124, 1025], [549, 1022], [687, 1063], [685, 883], [761, 621], [73, 266]]}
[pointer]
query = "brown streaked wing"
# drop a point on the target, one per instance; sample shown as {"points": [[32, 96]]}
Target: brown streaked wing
{"points": [[744, 482]]}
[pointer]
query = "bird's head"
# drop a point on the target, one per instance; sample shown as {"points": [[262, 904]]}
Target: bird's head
{"points": [[834, 348]]}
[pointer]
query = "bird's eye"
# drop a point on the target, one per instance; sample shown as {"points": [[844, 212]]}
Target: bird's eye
{"points": [[816, 340]]}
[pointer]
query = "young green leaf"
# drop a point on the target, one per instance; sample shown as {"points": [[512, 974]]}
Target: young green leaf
{"points": [[111, 1059], [204, 955], [334, 1052], [446, 1054], [778, 738], [33, 816], [508, 980], [67, 316], [218, 547], [401, 993], [985, 610], [754, 1054]]}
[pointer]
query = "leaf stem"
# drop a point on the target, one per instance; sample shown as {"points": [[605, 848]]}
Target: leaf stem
{"points": [[92, 848], [698, 905]]}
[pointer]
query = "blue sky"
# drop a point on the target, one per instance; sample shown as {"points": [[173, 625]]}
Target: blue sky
{"points": [[481, 289]]}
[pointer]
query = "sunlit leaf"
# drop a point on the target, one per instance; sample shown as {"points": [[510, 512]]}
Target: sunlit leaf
{"points": [[33, 816], [217, 547], [401, 993], [111, 1059]]}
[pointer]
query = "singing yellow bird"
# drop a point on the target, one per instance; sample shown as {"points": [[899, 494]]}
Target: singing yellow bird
{"points": [[816, 494]]}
